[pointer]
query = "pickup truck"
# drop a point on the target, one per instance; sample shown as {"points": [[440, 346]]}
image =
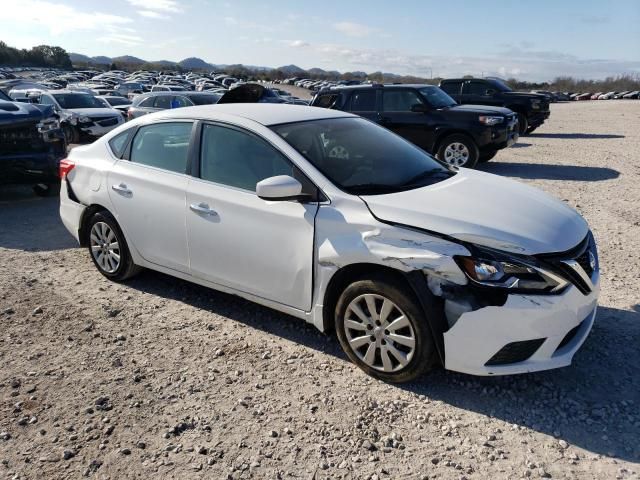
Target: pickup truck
{"points": [[31, 145], [460, 135], [532, 108]]}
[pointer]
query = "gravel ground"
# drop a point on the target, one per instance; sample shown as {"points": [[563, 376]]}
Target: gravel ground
{"points": [[158, 378]]}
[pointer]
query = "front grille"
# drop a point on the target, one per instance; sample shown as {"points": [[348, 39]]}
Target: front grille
{"points": [[582, 254], [109, 122], [99, 119], [23, 139], [515, 352]]}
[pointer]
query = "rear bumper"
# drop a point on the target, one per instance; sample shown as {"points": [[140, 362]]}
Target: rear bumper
{"points": [[70, 212], [539, 332]]}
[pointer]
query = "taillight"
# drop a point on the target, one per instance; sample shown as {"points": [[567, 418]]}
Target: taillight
{"points": [[129, 115], [65, 167]]}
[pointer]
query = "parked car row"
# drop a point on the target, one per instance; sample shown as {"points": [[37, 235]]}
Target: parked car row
{"points": [[629, 95]]}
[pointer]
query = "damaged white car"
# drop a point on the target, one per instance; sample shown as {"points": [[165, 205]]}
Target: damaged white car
{"points": [[330, 218]]}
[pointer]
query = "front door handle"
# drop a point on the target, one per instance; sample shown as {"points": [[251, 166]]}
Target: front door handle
{"points": [[202, 208], [122, 188]]}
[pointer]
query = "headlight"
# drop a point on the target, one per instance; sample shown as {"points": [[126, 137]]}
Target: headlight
{"points": [[490, 120], [48, 124], [495, 269], [84, 119], [535, 104]]}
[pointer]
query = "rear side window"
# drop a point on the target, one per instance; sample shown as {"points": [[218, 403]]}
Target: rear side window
{"points": [[476, 88], [119, 143], [181, 102], [162, 101], [147, 102], [238, 159], [452, 88], [327, 101], [163, 145], [363, 101]]}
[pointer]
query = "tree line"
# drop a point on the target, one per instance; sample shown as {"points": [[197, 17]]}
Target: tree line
{"points": [[39, 56]]}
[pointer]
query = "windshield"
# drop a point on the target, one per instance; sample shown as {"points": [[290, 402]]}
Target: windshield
{"points": [[361, 157], [436, 97], [500, 85], [205, 99], [77, 100]]}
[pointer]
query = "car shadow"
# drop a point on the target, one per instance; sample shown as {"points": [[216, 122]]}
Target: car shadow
{"points": [[582, 403], [520, 145], [583, 136], [31, 223], [538, 171]]}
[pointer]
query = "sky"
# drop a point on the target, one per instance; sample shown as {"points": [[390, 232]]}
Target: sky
{"points": [[534, 41]]}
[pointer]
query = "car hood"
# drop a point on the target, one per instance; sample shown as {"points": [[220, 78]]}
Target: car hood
{"points": [[16, 112], [480, 109], [485, 209], [93, 112]]}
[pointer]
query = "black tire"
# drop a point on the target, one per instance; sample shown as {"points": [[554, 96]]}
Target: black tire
{"points": [[46, 189], [71, 134], [523, 124], [486, 156], [126, 268], [531, 130], [460, 139], [424, 352]]}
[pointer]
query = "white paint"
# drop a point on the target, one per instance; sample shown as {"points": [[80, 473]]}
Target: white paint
{"points": [[284, 254]]}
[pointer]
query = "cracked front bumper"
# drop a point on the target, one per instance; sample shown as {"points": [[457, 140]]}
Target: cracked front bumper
{"points": [[560, 323]]}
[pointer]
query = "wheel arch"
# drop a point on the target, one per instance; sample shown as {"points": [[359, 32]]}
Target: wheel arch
{"points": [[414, 281], [446, 133], [89, 212]]}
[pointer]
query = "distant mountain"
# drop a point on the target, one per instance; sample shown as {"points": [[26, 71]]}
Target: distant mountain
{"points": [[195, 63], [291, 70], [128, 59], [166, 63], [101, 59], [80, 58]]}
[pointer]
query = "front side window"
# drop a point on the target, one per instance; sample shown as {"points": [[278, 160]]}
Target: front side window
{"points": [[363, 101], [163, 145], [361, 157], [239, 159], [400, 100], [436, 97], [46, 100]]}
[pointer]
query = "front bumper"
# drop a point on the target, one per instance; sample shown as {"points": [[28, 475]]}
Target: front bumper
{"points": [[560, 324], [535, 119], [499, 136]]}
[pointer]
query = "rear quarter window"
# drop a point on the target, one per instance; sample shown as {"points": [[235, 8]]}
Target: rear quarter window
{"points": [[118, 144], [452, 88]]}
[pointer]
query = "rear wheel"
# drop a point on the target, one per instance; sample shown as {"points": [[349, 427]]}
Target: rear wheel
{"points": [[108, 248], [382, 329], [458, 151]]}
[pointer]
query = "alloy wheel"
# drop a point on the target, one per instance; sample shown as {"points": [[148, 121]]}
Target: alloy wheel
{"points": [[105, 247], [379, 333], [456, 154]]}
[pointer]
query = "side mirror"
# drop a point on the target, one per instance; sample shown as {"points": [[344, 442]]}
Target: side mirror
{"points": [[419, 108], [281, 187]]}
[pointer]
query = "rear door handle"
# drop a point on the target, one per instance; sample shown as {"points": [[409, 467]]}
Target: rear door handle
{"points": [[202, 208], [122, 188]]}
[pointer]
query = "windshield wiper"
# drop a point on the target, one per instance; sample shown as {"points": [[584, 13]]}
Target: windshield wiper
{"points": [[371, 188], [431, 173]]}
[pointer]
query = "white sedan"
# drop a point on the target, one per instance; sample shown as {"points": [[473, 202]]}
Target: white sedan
{"points": [[328, 217]]}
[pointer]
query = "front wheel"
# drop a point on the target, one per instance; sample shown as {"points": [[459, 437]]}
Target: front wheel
{"points": [[523, 124], [108, 248], [383, 330], [458, 151]]}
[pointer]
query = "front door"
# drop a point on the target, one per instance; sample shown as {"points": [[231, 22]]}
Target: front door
{"points": [[398, 117], [148, 193], [238, 240]]}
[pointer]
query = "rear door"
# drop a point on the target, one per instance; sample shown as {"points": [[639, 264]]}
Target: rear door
{"points": [[238, 240], [365, 103], [453, 88], [397, 116], [148, 192]]}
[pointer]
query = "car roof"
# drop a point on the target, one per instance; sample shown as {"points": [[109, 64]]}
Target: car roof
{"points": [[264, 113], [379, 85]]}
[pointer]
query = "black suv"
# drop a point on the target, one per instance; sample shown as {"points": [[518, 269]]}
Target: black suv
{"points": [[532, 108], [31, 145], [426, 116]]}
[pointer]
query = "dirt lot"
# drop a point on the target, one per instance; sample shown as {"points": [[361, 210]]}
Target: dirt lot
{"points": [[158, 378]]}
